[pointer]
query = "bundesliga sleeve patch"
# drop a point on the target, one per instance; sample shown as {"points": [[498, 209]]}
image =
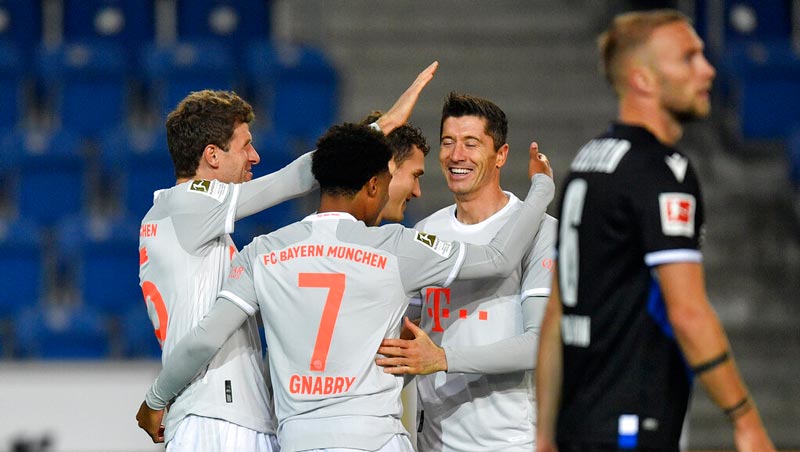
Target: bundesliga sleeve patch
{"points": [[677, 214], [440, 247], [212, 188]]}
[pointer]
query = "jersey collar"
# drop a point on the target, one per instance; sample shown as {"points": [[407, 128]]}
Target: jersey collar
{"points": [[330, 216]]}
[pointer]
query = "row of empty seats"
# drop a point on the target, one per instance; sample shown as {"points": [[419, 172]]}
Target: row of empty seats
{"points": [[132, 23], [49, 175], [87, 86]]}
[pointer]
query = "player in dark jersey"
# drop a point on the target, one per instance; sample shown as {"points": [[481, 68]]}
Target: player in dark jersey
{"points": [[628, 325]]}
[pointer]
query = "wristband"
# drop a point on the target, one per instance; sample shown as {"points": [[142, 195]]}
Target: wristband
{"points": [[736, 411], [710, 364]]}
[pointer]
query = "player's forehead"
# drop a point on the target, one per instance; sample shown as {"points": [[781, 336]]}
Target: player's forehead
{"points": [[241, 133], [675, 40], [414, 161], [465, 126]]}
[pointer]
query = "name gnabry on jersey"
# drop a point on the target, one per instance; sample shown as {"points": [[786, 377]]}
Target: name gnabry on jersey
{"points": [[319, 385], [339, 252]]}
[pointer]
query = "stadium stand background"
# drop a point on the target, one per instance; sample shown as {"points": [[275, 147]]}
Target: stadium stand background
{"points": [[86, 84]]}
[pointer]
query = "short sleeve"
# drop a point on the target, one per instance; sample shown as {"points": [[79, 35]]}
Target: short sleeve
{"points": [[669, 206]]}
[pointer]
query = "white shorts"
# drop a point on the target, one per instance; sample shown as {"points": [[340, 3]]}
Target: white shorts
{"points": [[398, 443], [197, 433]]}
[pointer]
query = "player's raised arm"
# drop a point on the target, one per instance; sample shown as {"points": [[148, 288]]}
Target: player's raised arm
{"points": [[402, 108], [507, 248]]}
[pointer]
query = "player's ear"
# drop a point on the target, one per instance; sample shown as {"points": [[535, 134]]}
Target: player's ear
{"points": [[642, 79], [502, 156], [372, 186], [210, 156]]}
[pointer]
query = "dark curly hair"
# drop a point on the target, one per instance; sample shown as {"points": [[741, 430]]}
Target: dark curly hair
{"points": [[347, 156], [203, 118], [402, 139], [457, 105]]}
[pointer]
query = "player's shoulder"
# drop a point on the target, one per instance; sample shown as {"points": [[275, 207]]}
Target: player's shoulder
{"points": [[436, 219]]}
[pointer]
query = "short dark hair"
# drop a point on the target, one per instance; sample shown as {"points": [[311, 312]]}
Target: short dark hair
{"points": [[347, 156], [203, 118], [402, 139], [457, 105]]}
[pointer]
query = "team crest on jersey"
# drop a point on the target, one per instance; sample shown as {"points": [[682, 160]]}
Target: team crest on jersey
{"points": [[212, 188], [677, 214], [678, 165], [441, 247]]}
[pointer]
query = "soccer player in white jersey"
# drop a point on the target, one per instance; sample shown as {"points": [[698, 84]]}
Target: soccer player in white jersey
{"points": [[186, 250], [483, 334], [329, 289]]}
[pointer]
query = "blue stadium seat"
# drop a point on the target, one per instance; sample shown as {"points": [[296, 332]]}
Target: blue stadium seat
{"points": [[12, 74], [138, 160], [229, 21], [763, 82], [138, 340], [49, 171], [102, 255], [174, 70], [61, 332], [126, 23], [22, 263], [757, 20], [88, 84], [296, 86], [21, 24]]}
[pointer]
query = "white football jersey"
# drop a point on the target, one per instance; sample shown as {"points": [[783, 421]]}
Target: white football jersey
{"points": [[480, 412], [185, 252], [329, 290]]}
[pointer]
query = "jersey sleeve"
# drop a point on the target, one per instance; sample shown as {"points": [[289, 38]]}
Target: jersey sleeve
{"points": [[239, 286], [538, 264], [516, 353], [507, 248], [294, 180], [670, 210], [425, 259], [203, 210], [193, 352]]}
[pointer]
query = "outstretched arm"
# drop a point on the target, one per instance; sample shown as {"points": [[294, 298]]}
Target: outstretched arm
{"points": [[291, 181], [188, 358], [421, 355], [705, 346], [296, 179], [507, 248], [402, 108]]}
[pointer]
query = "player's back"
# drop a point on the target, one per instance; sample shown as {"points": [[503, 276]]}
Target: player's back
{"points": [[329, 290], [185, 253]]}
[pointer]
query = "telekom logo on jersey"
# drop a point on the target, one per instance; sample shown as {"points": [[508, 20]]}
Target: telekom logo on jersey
{"points": [[434, 296]]}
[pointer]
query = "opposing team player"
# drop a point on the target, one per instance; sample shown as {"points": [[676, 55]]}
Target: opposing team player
{"points": [[329, 289], [629, 324], [185, 254]]}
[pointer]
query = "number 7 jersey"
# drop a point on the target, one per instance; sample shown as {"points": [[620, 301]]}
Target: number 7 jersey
{"points": [[330, 289]]}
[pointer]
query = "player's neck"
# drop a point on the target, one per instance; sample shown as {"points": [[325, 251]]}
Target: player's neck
{"points": [[473, 208], [653, 118], [341, 203]]}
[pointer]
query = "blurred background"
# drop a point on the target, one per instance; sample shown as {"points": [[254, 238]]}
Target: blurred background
{"points": [[86, 85]]}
